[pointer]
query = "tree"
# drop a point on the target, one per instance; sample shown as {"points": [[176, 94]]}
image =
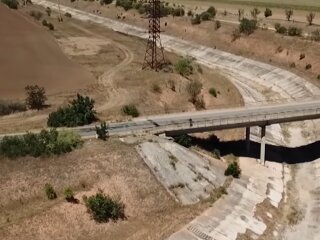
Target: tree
{"points": [[48, 10], [102, 131], [240, 14], [310, 17], [268, 12], [36, 97], [212, 11], [247, 26], [289, 13], [255, 12]]}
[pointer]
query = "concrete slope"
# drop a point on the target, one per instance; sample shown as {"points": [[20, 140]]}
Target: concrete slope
{"points": [[252, 78], [30, 55]]}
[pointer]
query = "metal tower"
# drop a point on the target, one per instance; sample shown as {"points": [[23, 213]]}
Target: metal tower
{"points": [[154, 57]]}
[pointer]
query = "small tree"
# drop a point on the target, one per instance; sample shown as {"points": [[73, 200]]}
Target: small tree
{"points": [[233, 170], [102, 131], [268, 12], [255, 12], [289, 13], [240, 14], [310, 18], [69, 195], [36, 97], [51, 194], [212, 11]]}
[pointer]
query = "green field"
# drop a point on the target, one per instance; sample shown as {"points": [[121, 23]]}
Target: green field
{"points": [[308, 5]]}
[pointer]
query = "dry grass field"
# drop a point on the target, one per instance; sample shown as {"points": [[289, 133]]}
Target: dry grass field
{"points": [[112, 166]]}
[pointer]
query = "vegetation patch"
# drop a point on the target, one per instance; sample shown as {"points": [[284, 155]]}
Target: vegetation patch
{"points": [[7, 108], [184, 67], [104, 208], [50, 192], [247, 26], [45, 143], [102, 131], [130, 110], [78, 113], [184, 140], [233, 170], [13, 4]]}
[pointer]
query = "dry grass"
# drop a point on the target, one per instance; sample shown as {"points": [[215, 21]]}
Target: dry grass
{"points": [[112, 166]]}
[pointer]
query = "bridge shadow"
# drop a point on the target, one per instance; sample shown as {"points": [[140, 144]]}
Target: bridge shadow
{"points": [[307, 153]]}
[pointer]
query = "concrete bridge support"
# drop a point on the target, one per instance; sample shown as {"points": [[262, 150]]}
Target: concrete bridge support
{"points": [[263, 145], [248, 139]]}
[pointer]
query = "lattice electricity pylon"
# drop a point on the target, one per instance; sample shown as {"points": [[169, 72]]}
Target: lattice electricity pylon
{"points": [[154, 57]]}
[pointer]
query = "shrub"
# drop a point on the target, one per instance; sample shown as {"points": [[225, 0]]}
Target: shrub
{"points": [[280, 29], [48, 11], [294, 31], [247, 26], [196, 19], [50, 26], [178, 12], [184, 67], [194, 89], [212, 11], [310, 17], [156, 88], [104, 208], [125, 4], [102, 131], [288, 13], [233, 170], [69, 194], [78, 113], [205, 16], [216, 153], [13, 4], [308, 66], [51, 194], [213, 92], [44, 23], [36, 97], [44, 143], [36, 14], [67, 14], [190, 13], [105, 2], [130, 110], [217, 25], [302, 56], [268, 12], [184, 140], [7, 108]]}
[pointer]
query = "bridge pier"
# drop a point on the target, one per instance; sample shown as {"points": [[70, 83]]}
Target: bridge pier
{"points": [[263, 145], [248, 139]]}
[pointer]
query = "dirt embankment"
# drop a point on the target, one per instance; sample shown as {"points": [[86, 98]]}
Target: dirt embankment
{"points": [[29, 55]]}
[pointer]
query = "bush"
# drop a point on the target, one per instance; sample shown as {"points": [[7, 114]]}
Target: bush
{"points": [[194, 89], [217, 25], [48, 11], [255, 12], [212, 11], [268, 12], [294, 31], [205, 16], [247, 26], [302, 56], [130, 110], [51, 194], [178, 12], [184, 140], [125, 4], [190, 13], [50, 26], [105, 2], [78, 113], [308, 66], [69, 194], [67, 14], [233, 170], [44, 143], [44, 23], [7, 108], [196, 20], [156, 88], [13, 4], [104, 208], [184, 67], [102, 131], [280, 29], [213, 92], [36, 14], [36, 97]]}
